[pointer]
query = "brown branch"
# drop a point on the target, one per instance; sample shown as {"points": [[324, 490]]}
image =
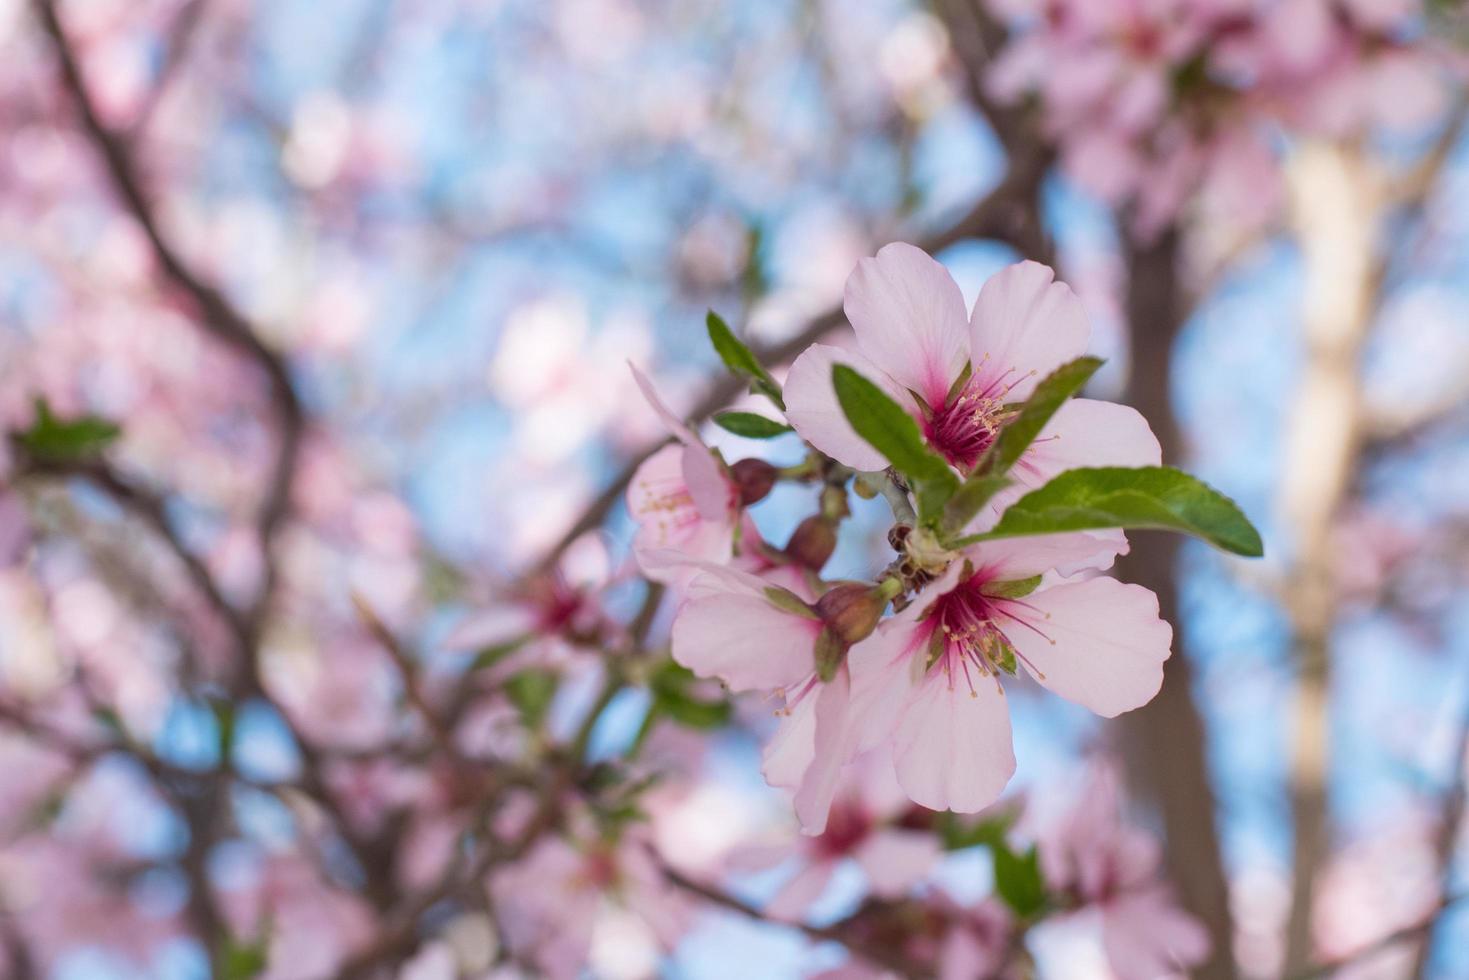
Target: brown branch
{"points": [[1413, 931], [1166, 740], [1007, 213], [217, 315], [1450, 818], [149, 508], [876, 953], [408, 671]]}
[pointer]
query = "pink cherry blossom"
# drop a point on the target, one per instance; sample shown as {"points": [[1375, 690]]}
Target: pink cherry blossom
{"points": [[545, 618], [684, 500], [861, 827], [755, 636], [553, 901], [939, 662], [915, 341], [1110, 871]]}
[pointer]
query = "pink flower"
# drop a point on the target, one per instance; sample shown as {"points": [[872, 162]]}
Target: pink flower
{"points": [[979, 941], [684, 500], [553, 901], [938, 662], [546, 617], [756, 636], [861, 827], [915, 340], [1111, 871]]}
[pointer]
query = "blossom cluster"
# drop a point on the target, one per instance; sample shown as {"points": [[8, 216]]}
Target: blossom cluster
{"points": [[1158, 104], [923, 688]]}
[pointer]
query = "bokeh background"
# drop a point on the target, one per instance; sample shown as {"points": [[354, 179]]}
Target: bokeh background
{"points": [[450, 222]]}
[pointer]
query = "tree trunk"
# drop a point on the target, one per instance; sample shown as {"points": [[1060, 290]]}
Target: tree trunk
{"points": [[1164, 742], [1335, 209]]}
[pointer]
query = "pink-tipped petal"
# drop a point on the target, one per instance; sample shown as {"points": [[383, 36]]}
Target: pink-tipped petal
{"points": [[671, 530], [952, 748], [1010, 559], [895, 860], [498, 624], [908, 314], [1024, 326], [1099, 643], [675, 425], [1086, 432], [812, 407], [838, 729], [792, 748], [742, 639], [1146, 936], [744, 642], [709, 485]]}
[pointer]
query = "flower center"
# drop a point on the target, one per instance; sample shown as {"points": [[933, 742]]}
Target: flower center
{"points": [[846, 827], [966, 426], [967, 642], [667, 505]]}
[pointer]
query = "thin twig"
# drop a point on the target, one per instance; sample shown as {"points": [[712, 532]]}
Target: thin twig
{"points": [[1391, 939], [880, 955], [408, 671], [1450, 818], [999, 215]]}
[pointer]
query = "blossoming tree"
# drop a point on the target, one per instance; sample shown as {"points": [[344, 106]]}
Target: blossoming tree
{"points": [[286, 690]]}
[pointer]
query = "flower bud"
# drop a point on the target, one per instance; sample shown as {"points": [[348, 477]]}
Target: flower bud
{"points": [[813, 541], [754, 478], [851, 610]]}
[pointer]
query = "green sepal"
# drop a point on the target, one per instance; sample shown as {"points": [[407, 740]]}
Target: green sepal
{"points": [[829, 653], [787, 601], [1015, 589]]}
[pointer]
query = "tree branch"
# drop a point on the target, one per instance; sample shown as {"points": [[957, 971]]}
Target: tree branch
{"points": [[217, 315], [1002, 214]]}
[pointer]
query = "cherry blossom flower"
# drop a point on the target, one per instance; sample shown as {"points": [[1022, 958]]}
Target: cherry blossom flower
{"points": [[787, 643], [1111, 872], [555, 901], [958, 375], [861, 828], [937, 664], [546, 618], [685, 500]]}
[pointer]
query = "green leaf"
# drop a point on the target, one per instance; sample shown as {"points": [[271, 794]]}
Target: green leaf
{"points": [[224, 718], [242, 961], [959, 832], [740, 359], [1018, 879], [531, 692], [669, 685], [1049, 395], [65, 440], [972, 495], [892, 432], [491, 655], [750, 425], [693, 713], [1148, 497]]}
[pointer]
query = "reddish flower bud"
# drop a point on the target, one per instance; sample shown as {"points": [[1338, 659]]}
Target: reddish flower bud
{"points": [[813, 541], [851, 610], [754, 477]]}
